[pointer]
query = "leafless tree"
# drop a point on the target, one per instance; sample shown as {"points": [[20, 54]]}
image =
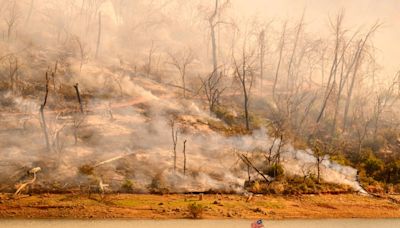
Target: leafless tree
{"points": [[247, 161], [184, 157], [299, 30], [281, 48], [244, 73], [181, 61], [11, 18], [77, 121], [98, 37], [83, 53], [13, 72], [358, 61], [148, 66], [212, 89], [212, 23], [78, 96], [174, 134], [335, 64], [42, 117], [385, 99], [320, 154]]}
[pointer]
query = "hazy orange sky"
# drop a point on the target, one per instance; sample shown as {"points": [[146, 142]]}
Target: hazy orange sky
{"points": [[357, 12]]}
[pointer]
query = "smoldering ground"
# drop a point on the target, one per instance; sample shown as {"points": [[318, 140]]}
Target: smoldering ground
{"points": [[119, 52], [139, 132]]}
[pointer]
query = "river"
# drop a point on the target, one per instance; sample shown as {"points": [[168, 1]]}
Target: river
{"points": [[327, 223]]}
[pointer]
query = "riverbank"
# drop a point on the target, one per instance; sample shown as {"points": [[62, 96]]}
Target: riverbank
{"points": [[174, 206]]}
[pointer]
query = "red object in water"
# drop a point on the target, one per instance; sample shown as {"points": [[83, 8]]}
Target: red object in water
{"points": [[257, 224]]}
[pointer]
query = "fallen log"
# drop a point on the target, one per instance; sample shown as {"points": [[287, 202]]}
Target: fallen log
{"points": [[246, 160], [30, 182]]}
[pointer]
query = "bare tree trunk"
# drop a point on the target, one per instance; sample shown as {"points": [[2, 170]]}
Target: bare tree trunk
{"points": [[150, 58], [213, 38], [98, 37], [183, 76], [43, 120], [332, 76], [174, 134], [296, 42], [250, 164], [184, 157], [246, 109], [78, 95], [353, 79], [318, 169], [358, 58], [281, 47], [262, 55], [244, 74]]}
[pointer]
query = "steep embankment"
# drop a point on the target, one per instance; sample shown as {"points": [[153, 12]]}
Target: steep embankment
{"points": [[129, 125]]}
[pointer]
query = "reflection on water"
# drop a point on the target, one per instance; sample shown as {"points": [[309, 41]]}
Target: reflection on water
{"points": [[330, 223]]}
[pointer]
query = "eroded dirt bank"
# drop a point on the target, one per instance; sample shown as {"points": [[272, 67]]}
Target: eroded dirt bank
{"points": [[214, 206]]}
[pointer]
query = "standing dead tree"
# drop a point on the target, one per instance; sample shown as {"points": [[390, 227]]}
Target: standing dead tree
{"points": [[213, 24], [262, 50], [181, 61], [13, 72], [335, 64], [357, 64], [11, 19], [148, 66], [184, 157], [78, 95], [174, 134], [321, 150], [385, 99], [43, 120], [83, 53], [290, 79], [281, 48], [212, 89], [360, 122], [247, 161], [77, 122], [98, 37], [244, 73]]}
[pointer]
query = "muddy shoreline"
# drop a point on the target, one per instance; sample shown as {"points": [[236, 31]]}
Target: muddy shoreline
{"points": [[214, 206]]}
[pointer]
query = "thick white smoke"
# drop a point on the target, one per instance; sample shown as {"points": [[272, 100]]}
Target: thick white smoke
{"points": [[141, 125]]}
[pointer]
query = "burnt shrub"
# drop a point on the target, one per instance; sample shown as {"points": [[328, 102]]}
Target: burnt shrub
{"points": [[195, 210], [275, 170]]}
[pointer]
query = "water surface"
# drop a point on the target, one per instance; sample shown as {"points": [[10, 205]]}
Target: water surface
{"points": [[329, 223]]}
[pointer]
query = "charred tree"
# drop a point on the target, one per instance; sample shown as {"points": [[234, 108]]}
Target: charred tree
{"points": [[357, 65], [212, 23], [78, 95], [184, 157], [281, 48], [42, 117], [181, 61], [245, 75], [212, 90], [98, 37], [174, 134]]}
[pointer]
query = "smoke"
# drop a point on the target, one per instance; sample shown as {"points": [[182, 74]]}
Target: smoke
{"points": [[143, 129], [136, 116]]}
